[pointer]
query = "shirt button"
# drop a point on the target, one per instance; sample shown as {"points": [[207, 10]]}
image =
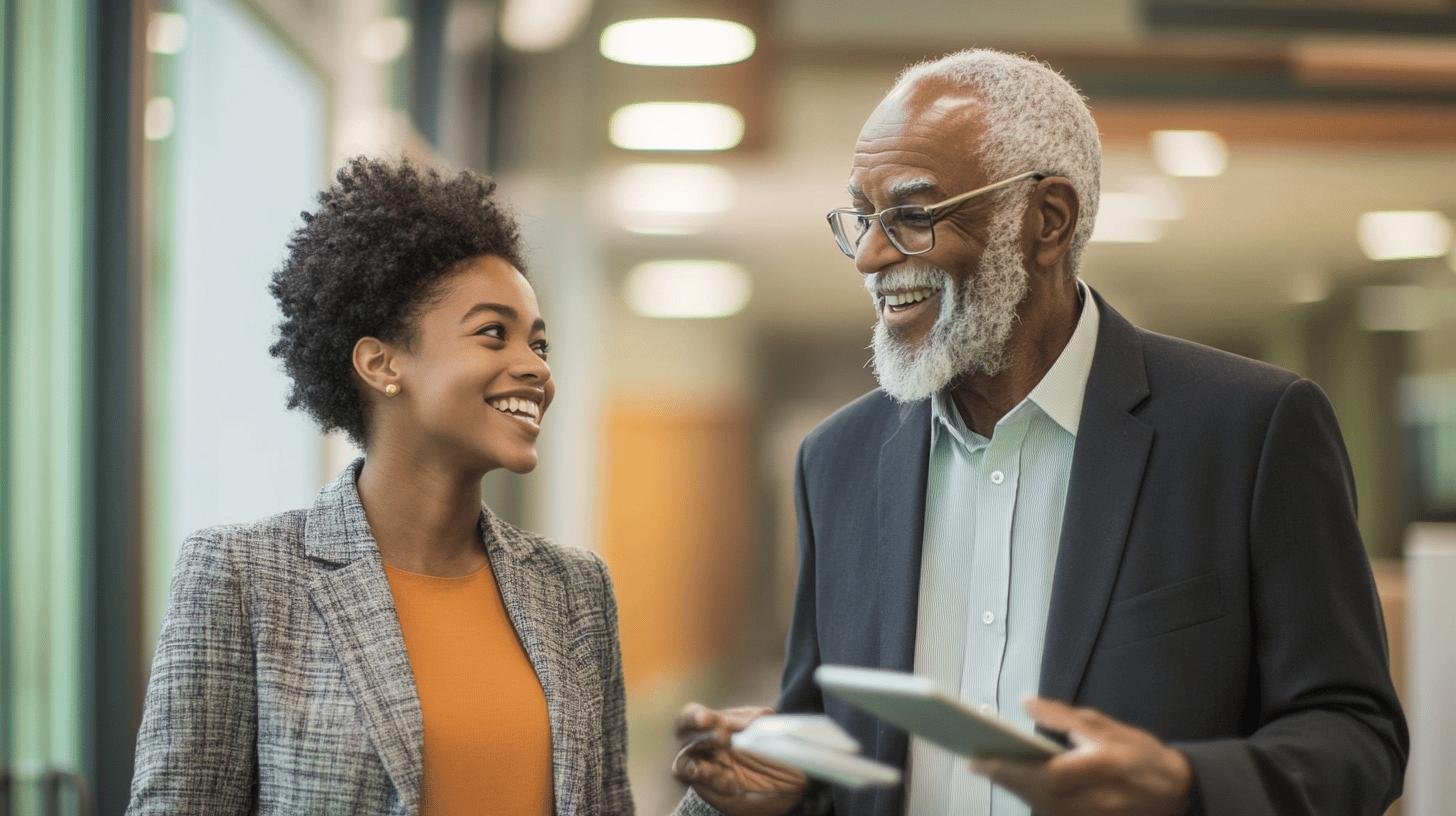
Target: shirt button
{"points": [[988, 617], [997, 477]]}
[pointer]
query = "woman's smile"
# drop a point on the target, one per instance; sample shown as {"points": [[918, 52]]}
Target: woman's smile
{"points": [[524, 408]]}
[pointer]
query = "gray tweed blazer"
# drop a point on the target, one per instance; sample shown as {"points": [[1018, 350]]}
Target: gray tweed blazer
{"points": [[281, 682]]}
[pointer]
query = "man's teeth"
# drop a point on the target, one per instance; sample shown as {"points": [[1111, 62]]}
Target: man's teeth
{"points": [[513, 405], [907, 298]]}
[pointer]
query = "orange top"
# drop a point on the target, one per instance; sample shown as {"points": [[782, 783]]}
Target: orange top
{"points": [[487, 733]]}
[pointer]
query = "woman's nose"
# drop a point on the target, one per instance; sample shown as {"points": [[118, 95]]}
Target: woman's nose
{"points": [[530, 366]]}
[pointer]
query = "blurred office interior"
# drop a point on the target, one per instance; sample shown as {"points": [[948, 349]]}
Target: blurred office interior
{"points": [[1279, 181]]}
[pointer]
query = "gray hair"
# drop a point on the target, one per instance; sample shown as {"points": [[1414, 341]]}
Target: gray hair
{"points": [[1035, 120]]}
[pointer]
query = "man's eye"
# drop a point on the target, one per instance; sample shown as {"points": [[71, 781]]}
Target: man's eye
{"points": [[918, 219]]}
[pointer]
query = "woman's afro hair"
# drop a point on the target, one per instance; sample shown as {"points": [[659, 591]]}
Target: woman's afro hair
{"points": [[385, 235]]}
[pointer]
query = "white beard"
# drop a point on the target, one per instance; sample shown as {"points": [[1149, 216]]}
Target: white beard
{"points": [[976, 318]]}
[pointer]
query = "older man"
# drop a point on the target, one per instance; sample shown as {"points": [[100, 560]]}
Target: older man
{"points": [[1043, 499]]}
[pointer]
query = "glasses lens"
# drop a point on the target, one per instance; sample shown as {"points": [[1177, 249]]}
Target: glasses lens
{"points": [[911, 229], [848, 229]]}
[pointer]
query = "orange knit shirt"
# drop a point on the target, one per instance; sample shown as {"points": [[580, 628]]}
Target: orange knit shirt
{"points": [[487, 733]]}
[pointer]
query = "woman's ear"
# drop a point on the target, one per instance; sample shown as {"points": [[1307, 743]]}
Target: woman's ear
{"points": [[377, 366]]}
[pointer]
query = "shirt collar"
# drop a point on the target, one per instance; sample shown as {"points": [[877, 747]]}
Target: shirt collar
{"points": [[1060, 392]]}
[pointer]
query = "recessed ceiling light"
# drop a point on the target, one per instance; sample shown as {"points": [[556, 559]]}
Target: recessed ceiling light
{"points": [[1190, 153], [671, 199], [159, 118], [687, 288], [166, 33], [1126, 218], [676, 126], [541, 25], [1164, 201], [677, 41], [1394, 234], [385, 39]]}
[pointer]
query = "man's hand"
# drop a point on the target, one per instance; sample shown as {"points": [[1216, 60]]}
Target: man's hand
{"points": [[1112, 769], [732, 782]]}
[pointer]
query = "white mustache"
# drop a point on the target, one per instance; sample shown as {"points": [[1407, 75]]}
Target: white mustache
{"points": [[917, 276]]}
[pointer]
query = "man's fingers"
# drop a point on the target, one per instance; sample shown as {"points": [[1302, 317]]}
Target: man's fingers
{"points": [[1075, 770], [1081, 725], [693, 717], [1025, 779], [706, 774], [696, 717]]}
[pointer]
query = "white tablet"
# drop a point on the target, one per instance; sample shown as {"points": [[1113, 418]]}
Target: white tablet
{"points": [[917, 706]]}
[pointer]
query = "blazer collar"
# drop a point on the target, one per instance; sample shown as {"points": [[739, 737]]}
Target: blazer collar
{"points": [[1108, 461], [337, 530], [351, 593]]}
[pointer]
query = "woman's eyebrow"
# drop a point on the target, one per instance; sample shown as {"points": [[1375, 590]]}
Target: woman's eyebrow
{"points": [[508, 312], [499, 308]]}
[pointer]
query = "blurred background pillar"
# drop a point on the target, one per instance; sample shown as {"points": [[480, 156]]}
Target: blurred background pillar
{"points": [[44, 336], [1431, 562]]}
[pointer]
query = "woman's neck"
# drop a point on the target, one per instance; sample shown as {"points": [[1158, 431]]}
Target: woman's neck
{"points": [[424, 515]]}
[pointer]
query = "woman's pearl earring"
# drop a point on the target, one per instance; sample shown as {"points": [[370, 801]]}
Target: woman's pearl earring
{"points": [[391, 390]]}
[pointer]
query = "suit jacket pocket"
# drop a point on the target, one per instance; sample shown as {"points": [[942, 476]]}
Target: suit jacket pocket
{"points": [[1163, 610]]}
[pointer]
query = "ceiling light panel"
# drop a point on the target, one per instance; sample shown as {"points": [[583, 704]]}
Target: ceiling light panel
{"points": [[1127, 218], [688, 288], [1395, 234], [541, 25], [677, 42], [1190, 153], [671, 199], [676, 126]]}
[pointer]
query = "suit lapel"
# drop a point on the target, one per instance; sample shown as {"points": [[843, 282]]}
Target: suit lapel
{"points": [[900, 519], [535, 602], [1107, 472], [351, 593]]}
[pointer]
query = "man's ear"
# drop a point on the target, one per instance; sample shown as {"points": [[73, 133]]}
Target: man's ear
{"points": [[1055, 209], [376, 364]]}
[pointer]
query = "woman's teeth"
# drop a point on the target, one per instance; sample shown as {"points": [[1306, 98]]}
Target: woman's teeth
{"points": [[517, 407], [894, 299]]}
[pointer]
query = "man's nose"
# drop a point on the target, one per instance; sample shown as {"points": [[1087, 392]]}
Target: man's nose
{"points": [[875, 252]]}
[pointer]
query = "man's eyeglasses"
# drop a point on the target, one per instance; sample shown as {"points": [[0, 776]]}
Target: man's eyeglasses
{"points": [[910, 227]]}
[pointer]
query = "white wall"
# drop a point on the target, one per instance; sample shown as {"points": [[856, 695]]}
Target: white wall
{"points": [[249, 149]]}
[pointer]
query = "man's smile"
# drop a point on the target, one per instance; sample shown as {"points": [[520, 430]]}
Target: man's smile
{"points": [[902, 310]]}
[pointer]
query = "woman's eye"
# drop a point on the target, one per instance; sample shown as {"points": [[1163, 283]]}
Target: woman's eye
{"points": [[494, 330], [542, 348]]}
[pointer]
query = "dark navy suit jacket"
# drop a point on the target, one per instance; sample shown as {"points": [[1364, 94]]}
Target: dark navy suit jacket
{"points": [[1211, 586]]}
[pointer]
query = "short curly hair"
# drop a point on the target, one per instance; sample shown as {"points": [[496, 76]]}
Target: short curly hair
{"points": [[385, 236]]}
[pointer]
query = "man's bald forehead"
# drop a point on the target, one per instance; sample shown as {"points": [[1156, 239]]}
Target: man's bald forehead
{"points": [[928, 100]]}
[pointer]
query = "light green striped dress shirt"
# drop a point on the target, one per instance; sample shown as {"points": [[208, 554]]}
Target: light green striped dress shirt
{"points": [[993, 522]]}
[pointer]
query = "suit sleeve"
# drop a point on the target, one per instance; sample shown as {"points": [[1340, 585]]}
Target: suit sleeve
{"points": [[799, 693], [196, 747], [1331, 738], [617, 792]]}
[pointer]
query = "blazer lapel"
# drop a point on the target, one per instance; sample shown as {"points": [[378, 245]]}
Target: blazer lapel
{"points": [[1107, 472], [351, 593], [900, 516], [535, 602]]}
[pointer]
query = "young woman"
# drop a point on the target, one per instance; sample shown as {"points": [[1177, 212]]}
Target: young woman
{"points": [[396, 648]]}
